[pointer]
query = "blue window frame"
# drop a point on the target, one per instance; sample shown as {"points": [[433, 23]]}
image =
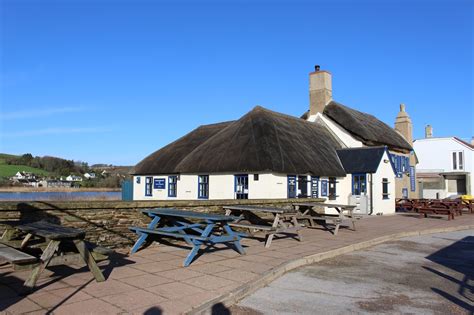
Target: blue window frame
{"points": [[291, 186], [203, 186], [172, 186], [359, 184], [324, 188], [148, 186], [241, 186], [314, 187]]}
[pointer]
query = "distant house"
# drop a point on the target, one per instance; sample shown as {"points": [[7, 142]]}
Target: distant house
{"points": [[89, 175], [54, 183], [446, 165], [24, 175], [74, 178]]}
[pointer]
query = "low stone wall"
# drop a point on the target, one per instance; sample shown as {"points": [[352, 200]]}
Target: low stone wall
{"points": [[107, 222]]}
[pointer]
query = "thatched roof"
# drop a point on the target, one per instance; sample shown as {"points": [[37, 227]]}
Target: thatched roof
{"points": [[165, 160], [365, 127], [260, 141]]}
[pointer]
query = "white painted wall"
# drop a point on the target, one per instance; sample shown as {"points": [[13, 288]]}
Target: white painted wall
{"points": [[380, 205], [346, 138], [436, 154]]}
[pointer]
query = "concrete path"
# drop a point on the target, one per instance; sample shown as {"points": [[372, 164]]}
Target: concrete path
{"points": [[153, 281], [432, 274]]}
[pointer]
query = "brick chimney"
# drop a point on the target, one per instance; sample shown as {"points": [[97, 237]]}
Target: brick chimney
{"points": [[320, 90], [428, 131], [403, 124]]}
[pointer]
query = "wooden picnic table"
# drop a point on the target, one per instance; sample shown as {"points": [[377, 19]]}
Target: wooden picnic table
{"points": [[206, 229], [469, 204], [284, 221], [55, 236], [306, 211]]}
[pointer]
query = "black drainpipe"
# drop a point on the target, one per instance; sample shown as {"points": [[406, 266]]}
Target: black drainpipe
{"points": [[371, 194]]}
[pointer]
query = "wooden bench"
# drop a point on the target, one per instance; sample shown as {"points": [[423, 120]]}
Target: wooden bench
{"points": [[424, 211], [253, 226], [14, 256]]}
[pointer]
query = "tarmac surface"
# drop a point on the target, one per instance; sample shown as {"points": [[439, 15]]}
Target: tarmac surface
{"points": [[431, 274]]}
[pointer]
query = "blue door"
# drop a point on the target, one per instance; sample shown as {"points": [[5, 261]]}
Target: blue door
{"points": [[127, 190], [242, 186], [291, 186]]}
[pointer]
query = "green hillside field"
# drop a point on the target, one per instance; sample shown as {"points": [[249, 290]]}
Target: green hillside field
{"points": [[10, 170]]}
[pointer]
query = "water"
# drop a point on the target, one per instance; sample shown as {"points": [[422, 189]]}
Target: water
{"points": [[60, 195]]}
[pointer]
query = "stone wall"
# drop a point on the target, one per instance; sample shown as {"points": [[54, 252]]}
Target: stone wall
{"points": [[107, 222]]}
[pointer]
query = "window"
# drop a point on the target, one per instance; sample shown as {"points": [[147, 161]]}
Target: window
{"points": [[458, 160], [303, 186], [255, 177], [172, 185], [242, 186], [148, 186], [138, 179], [385, 194], [291, 186], [332, 188], [359, 184], [203, 186], [324, 188]]}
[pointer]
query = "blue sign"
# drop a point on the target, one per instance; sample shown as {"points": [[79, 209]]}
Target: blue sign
{"points": [[324, 188], [314, 187], [412, 178], [159, 183]]}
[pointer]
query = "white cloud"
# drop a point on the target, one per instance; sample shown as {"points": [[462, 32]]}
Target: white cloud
{"points": [[55, 131], [35, 113]]}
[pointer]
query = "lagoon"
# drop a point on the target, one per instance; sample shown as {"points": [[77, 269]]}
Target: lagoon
{"points": [[60, 195]]}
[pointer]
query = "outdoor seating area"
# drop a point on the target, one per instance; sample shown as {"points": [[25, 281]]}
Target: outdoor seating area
{"points": [[154, 277], [436, 207], [51, 242]]}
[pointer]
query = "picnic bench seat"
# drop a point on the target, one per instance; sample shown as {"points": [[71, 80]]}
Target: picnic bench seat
{"points": [[253, 226], [424, 211], [14, 256], [169, 234]]}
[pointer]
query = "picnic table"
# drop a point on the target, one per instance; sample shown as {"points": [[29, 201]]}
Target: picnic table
{"points": [[284, 221], [57, 237], [469, 204], [306, 211], [207, 229]]}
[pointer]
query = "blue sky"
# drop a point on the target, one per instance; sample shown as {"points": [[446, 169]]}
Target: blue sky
{"points": [[112, 81]]}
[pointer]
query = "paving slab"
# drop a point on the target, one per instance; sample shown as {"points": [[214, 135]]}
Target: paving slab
{"points": [[215, 276]]}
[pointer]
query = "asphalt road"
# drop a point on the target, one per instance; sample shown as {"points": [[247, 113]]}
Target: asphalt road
{"points": [[432, 274]]}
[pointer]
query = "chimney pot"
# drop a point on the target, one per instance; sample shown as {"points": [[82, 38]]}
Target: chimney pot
{"points": [[317, 68], [428, 131]]}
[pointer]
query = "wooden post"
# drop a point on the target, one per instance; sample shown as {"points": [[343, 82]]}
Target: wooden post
{"points": [[44, 261], [89, 260]]}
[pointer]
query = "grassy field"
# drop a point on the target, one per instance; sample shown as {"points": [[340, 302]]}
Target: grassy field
{"points": [[10, 170]]}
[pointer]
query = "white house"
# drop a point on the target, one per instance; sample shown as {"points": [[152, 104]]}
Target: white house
{"points": [[89, 175], [74, 178], [269, 155], [446, 165]]}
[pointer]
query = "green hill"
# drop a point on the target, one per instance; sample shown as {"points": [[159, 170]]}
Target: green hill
{"points": [[10, 170]]}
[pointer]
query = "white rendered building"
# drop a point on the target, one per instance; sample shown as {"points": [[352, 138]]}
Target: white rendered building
{"points": [[445, 166]]}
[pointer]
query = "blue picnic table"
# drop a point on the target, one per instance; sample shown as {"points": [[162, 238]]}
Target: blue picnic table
{"points": [[204, 229]]}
